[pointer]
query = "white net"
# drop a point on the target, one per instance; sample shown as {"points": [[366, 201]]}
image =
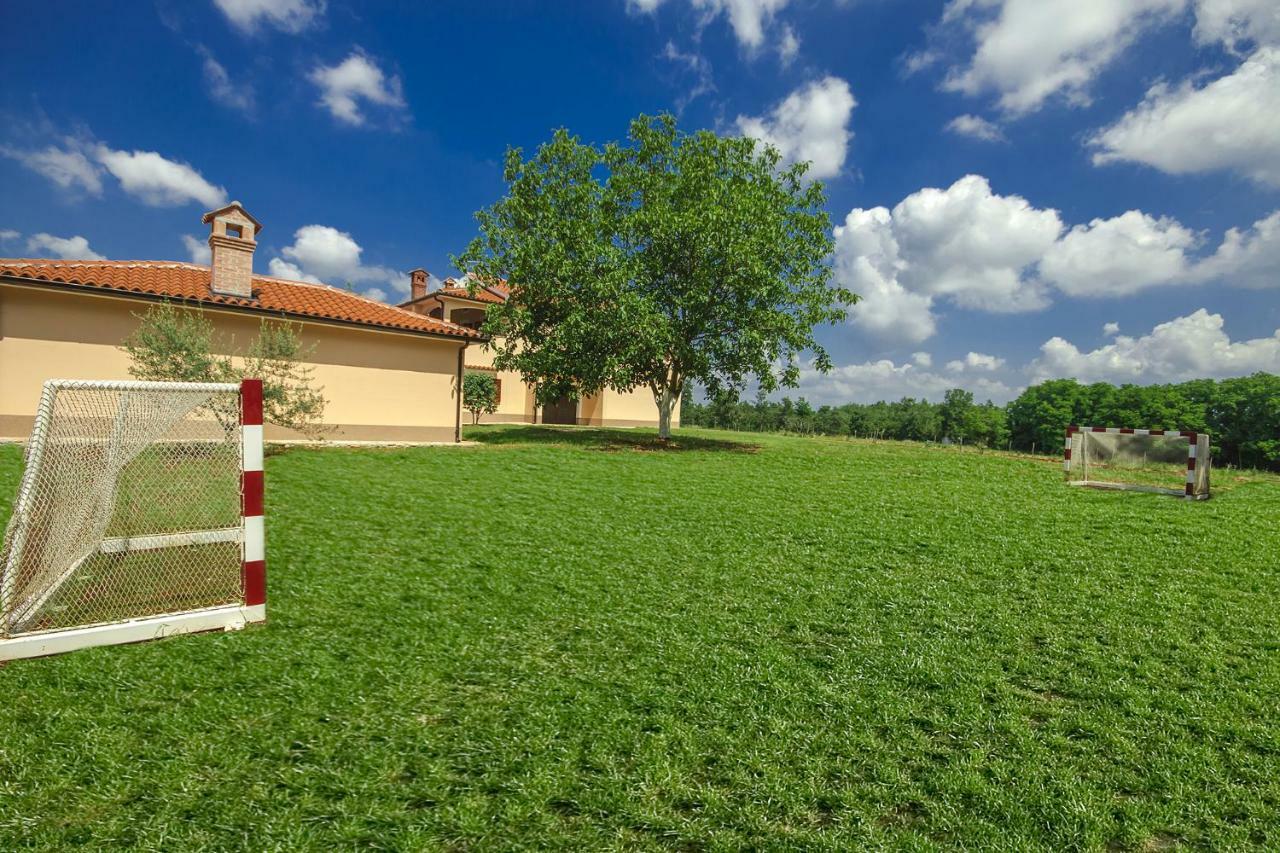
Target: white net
{"points": [[1140, 461], [129, 506]]}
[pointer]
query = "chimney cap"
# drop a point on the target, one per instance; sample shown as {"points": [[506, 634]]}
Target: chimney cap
{"points": [[235, 205]]}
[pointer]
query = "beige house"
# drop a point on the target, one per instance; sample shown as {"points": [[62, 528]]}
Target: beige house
{"points": [[388, 373], [456, 304]]}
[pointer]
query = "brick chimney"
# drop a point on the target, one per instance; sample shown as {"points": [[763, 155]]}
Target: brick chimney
{"points": [[417, 283], [232, 239]]}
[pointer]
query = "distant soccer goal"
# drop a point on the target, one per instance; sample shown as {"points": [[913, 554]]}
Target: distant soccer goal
{"points": [[139, 515], [1166, 462]]}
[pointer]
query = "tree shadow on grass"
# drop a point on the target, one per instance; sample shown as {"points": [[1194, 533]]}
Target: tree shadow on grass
{"points": [[600, 438]]}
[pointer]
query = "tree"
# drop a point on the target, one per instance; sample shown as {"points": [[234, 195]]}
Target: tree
{"points": [[181, 345], [956, 411], [668, 259], [479, 395]]}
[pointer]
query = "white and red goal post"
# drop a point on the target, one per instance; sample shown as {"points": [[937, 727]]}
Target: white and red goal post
{"points": [[1172, 462], [139, 515]]}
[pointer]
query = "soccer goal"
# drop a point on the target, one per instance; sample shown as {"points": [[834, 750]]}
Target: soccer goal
{"points": [[139, 515], [1167, 462]]}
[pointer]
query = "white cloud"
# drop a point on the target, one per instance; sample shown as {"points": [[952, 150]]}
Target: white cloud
{"points": [[321, 254], [868, 261], [198, 250], [67, 167], [1191, 347], [698, 68], [158, 181], [921, 359], [965, 244], [236, 94], [66, 248], [749, 18], [1231, 123], [1232, 22], [975, 361], [812, 123], [1119, 256], [354, 80], [788, 45], [290, 16], [1246, 257], [8, 234], [1027, 51], [873, 381], [976, 127], [1110, 329]]}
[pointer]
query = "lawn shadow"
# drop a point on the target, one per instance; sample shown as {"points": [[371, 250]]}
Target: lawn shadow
{"points": [[602, 438]]}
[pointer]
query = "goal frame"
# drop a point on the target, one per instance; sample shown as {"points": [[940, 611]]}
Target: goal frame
{"points": [[251, 534], [1195, 485]]}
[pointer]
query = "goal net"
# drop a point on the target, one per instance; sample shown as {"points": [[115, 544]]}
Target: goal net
{"points": [[139, 515], [1161, 461]]}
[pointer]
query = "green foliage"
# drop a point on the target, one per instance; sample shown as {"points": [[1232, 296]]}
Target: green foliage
{"points": [[479, 395], [907, 420], [1241, 415], [174, 344], [815, 645], [670, 259]]}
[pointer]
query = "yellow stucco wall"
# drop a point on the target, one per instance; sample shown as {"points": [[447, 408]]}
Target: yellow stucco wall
{"points": [[378, 386], [610, 408]]}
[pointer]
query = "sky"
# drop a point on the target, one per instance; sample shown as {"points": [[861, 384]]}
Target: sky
{"points": [[1019, 189]]}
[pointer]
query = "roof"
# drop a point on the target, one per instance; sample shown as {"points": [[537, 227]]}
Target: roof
{"points": [[190, 283], [461, 292]]}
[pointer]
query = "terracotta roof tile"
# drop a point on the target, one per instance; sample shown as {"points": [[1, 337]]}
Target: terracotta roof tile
{"points": [[190, 282]]}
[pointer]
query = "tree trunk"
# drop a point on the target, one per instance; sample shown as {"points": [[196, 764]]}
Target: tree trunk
{"points": [[666, 402]]}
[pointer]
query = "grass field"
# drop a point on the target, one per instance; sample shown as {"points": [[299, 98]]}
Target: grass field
{"points": [[570, 638]]}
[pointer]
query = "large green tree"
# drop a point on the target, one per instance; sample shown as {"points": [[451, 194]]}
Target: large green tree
{"points": [[668, 259]]}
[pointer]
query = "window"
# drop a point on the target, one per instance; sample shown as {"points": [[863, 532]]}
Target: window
{"points": [[234, 230]]}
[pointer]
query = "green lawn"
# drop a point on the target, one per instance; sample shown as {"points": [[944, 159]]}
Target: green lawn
{"points": [[573, 639]]}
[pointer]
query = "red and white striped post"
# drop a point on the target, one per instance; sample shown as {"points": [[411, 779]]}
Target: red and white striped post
{"points": [[254, 556]]}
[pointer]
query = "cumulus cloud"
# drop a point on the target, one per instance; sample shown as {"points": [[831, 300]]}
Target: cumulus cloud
{"points": [[355, 81], [235, 94], [197, 249], [975, 361], [811, 124], [1231, 123], [1247, 257], [922, 359], [1192, 347], [8, 234], [871, 381], [1234, 22], [1110, 329], [322, 254], [67, 167], [156, 180], [750, 19], [976, 249], [289, 16], [1119, 256], [964, 244], [67, 248], [975, 127], [1027, 51]]}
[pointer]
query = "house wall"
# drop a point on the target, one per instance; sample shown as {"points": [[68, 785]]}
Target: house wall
{"points": [[378, 386]]}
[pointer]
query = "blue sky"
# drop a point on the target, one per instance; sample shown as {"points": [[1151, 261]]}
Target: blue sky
{"points": [[1022, 188]]}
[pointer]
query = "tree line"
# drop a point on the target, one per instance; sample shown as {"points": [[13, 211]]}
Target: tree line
{"points": [[1242, 415]]}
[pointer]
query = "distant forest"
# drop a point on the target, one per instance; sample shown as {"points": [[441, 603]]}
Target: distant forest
{"points": [[1241, 415]]}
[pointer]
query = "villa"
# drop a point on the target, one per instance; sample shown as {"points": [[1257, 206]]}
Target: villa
{"points": [[388, 374]]}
